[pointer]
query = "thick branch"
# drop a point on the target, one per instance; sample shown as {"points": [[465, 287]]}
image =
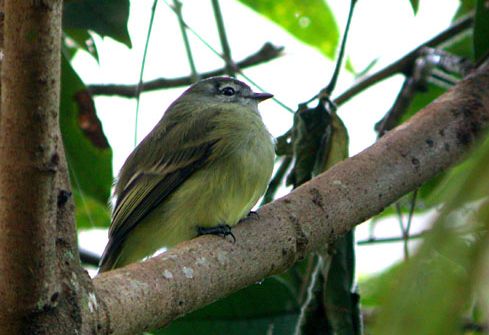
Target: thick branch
{"points": [[267, 52], [29, 157], [152, 293]]}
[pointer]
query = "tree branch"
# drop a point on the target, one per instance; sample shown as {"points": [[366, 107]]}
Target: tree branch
{"points": [[404, 64], [150, 294], [267, 52]]}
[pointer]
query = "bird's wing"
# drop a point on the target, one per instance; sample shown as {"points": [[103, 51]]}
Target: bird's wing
{"points": [[147, 186]]}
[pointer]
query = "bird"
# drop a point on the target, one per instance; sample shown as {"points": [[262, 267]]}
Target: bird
{"points": [[199, 171]]}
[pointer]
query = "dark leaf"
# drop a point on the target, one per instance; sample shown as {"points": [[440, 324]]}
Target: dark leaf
{"points": [[375, 288], [338, 148], [414, 5], [104, 17], [481, 30], [341, 303], [465, 7], [80, 39], [257, 309], [312, 130]]}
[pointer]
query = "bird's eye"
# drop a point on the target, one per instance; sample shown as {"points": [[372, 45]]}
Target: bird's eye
{"points": [[228, 91]]}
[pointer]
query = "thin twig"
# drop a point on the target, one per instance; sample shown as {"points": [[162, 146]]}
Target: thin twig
{"points": [[403, 65], [226, 50], [266, 53], [178, 11], [406, 230], [334, 78], [401, 104], [373, 240], [141, 72]]}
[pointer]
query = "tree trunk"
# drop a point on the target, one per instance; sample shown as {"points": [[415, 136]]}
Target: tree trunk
{"points": [[43, 288]]}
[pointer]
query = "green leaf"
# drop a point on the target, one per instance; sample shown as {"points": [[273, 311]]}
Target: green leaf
{"points": [[414, 6], [481, 30], [451, 181], [80, 39], [258, 309], [349, 67], [87, 150], [375, 288], [465, 7], [462, 46], [90, 213], [436, 287], [104, 17], [310, 21]]}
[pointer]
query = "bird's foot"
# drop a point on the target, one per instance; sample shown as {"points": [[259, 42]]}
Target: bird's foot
{"points": [[220, 230]]}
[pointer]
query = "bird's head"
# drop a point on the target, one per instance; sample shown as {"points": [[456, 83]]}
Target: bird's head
{"points": [[225, 90]]}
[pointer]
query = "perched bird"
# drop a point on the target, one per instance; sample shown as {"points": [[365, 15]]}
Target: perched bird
{"points": [[199, 171]]}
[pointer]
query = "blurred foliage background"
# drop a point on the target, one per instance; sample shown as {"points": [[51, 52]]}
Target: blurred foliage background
{"points": [[440, 289]]}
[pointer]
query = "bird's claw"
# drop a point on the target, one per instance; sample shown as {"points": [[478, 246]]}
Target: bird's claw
{"points": [[220, 230]]}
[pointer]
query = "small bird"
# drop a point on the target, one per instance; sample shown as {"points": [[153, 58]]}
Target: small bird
{"points": [[199, 171]]}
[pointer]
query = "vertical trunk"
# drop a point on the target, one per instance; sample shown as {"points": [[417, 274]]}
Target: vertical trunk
{"points": [[29, 160]]}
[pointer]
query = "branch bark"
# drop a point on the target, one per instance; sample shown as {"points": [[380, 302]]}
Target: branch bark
{"points": [[150, 294]]}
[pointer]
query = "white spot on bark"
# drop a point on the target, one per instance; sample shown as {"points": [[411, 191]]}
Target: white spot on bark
{"points": [[339, 183], [167, 274], [202, 261], [92, 302], [137, 285], [74, 281], [222, 258], [188, 272]]}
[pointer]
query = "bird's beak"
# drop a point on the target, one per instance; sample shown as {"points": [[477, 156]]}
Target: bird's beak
{"points": [[262, 96]]}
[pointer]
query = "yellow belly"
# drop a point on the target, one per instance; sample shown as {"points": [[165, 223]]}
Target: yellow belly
{"points": [[221, 193]]}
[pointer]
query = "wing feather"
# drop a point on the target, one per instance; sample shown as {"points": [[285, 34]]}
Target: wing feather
{"points": [[155, 170]]}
